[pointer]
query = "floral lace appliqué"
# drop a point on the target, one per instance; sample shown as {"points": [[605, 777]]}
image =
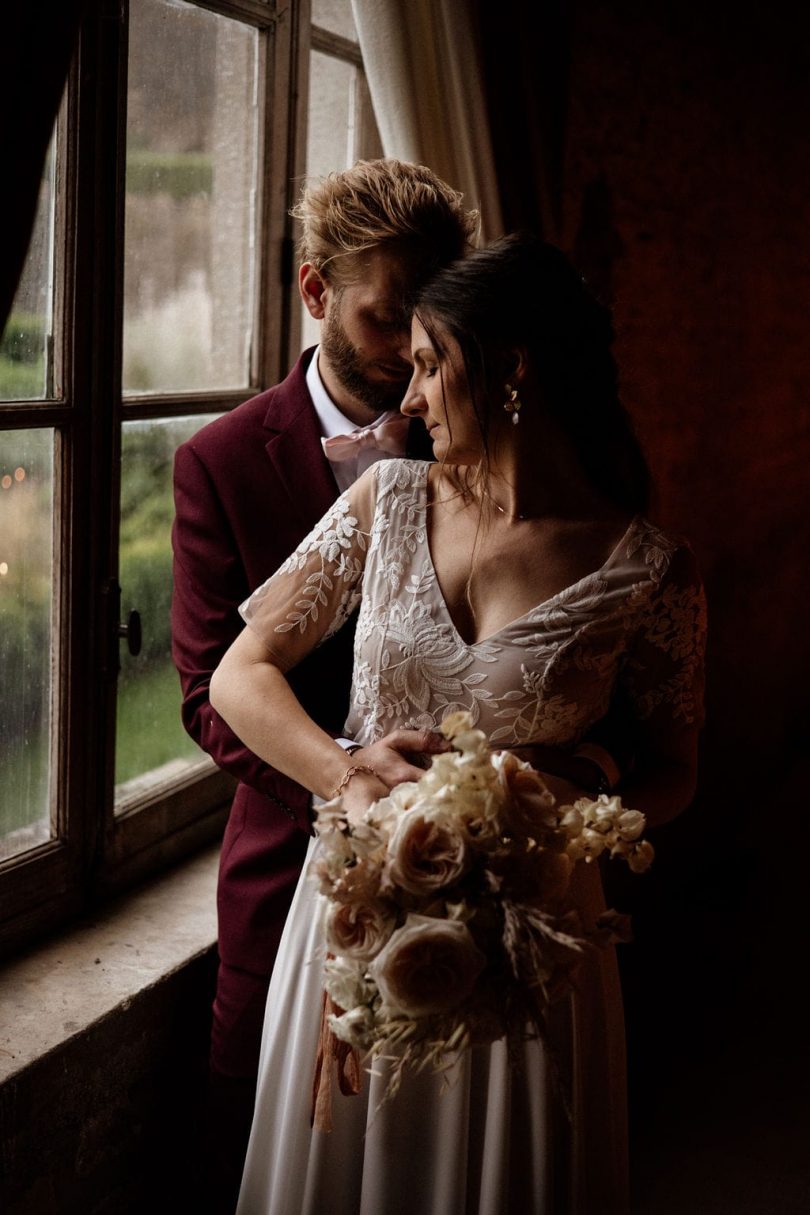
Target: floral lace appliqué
{"points": [[547, 677]]}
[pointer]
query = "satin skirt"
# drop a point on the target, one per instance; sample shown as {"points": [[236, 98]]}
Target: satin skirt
{"points": [[488, 1139]]}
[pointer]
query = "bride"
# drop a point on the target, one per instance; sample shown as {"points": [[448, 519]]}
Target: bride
{"points": [[516, 578]]}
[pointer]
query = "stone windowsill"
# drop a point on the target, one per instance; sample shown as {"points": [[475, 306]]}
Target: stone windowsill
{"points": [[67, 985]]}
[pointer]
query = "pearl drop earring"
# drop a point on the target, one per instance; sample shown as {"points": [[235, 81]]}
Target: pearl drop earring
{"points": [[513, 403]]}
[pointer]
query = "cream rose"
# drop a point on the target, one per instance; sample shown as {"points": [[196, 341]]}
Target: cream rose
{"points": [[426, 852], [346, 982], [355, 1027], [359, 930], [527, 799], [428, 966]]}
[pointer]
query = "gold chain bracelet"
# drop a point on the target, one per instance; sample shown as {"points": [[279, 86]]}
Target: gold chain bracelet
{"points": [[348, 774]]}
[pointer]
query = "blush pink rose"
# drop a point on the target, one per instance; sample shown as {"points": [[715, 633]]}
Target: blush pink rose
{"points": [[528, 799], [428, 966], [426, 853], [359, 930]]}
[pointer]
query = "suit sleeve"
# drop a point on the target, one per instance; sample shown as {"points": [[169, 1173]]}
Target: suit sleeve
{"points": [[209, 585]]}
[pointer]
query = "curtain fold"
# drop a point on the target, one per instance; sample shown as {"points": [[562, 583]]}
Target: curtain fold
{"points": [[423, 63], [36, 47], [526, 59], [477, 90]]}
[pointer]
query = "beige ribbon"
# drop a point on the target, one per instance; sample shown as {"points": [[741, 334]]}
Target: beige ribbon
{"points": [[335, 1058]]}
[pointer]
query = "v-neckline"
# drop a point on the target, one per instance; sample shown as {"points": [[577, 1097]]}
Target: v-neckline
{"points": [[545, 603]]}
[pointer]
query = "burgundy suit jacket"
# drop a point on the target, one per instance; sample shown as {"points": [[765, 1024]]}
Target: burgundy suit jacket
{"points": [[248, 488]]}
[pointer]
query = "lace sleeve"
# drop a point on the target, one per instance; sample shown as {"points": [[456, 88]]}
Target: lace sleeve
{"points": [[319, 585], [664, 673]]}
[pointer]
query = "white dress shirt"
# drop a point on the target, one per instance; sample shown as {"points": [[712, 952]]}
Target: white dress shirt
{"points": [[333, 422]]}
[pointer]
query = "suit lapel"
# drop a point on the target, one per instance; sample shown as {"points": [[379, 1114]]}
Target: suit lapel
{"points": [[295, 450]]}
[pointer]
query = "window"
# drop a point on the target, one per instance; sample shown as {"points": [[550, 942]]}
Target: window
{"points": [[341, 127], [157, 293]]}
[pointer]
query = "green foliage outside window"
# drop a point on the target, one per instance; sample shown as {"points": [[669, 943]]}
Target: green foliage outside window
{"points": [[179, 174], [150, 732], [22, 363]]}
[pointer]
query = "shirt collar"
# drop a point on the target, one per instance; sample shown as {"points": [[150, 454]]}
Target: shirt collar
{"points": [[331, 420]]}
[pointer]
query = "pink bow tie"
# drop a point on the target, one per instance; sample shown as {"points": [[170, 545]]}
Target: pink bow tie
{"points": [[388, 434]]}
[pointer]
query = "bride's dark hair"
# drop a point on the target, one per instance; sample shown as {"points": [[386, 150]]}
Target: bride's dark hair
{"points": [[521, 292]]}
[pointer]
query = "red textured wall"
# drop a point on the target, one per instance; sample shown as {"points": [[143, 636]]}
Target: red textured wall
{"points": [[685, 200], [686, 189]]}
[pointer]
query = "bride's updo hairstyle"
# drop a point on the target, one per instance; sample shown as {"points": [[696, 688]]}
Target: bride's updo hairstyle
{"points": [[521, 292]]}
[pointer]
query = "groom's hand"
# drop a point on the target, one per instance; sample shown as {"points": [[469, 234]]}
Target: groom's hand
{"points": [[569, 777], [396, 757]]}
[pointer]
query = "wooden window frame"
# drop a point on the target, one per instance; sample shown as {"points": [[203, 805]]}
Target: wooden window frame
{"points": [[96, 851]]}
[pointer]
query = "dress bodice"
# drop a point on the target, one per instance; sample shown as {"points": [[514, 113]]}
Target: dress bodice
{"points": [[636, 624]]}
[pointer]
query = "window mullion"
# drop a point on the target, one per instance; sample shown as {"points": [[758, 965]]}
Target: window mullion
{"points": [[281, 90], [96, 394], [172, 802], [49, 883]]}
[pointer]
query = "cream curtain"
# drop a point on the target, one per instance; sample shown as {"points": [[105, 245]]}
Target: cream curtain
{"points": [[424, 72]]}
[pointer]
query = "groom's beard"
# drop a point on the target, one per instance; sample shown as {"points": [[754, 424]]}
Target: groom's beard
{"points": [[353, 371]]}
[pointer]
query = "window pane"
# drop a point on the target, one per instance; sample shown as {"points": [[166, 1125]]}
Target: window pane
{"points": [[335, 16], [27, 336], [26, 593], [330, 139], [341, 129], [330, 135], [190, 199], [152, 745]]}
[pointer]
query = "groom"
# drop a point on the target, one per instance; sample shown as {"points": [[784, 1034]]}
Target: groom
{"points": [[248, 488]]}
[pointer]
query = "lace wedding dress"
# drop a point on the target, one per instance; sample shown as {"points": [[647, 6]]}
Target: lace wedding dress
{"points": [[498, 1140]]}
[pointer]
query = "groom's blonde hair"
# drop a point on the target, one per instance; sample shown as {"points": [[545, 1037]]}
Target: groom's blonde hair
{"points": [[382, 202]]}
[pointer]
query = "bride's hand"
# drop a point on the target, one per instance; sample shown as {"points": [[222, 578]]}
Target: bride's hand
{"points": [[361, 791], [394, 758], [391, 758]]}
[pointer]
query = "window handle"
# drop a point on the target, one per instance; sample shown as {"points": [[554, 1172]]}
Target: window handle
{"points": [[133, 633]]}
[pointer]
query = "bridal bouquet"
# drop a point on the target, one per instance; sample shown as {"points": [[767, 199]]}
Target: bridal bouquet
{"points": [[448, 918]]}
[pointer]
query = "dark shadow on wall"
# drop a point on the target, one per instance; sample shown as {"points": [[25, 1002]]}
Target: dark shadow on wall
{"points": [[598, 244], [112, 1122], [684, 201]]}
